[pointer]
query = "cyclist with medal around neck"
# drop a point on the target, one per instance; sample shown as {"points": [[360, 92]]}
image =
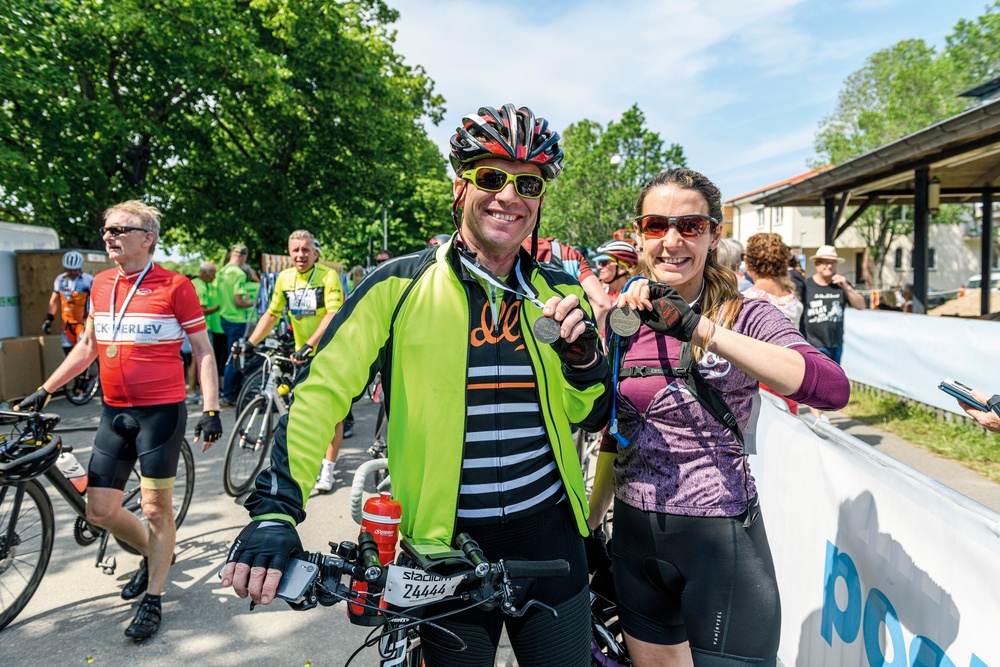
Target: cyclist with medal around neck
{"points": [[313, 294], [480, 405], [139, 313]]}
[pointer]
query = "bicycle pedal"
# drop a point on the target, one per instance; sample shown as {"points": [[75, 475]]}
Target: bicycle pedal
{"points": [[108, 565]]}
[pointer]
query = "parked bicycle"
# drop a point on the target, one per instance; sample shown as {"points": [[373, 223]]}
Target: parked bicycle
{"points": [[379, 448], [29, 451], [250, 441], [84, 387], [255, 377]]}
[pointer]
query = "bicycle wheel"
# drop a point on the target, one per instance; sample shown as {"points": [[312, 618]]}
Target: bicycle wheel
{"points": [[248, 445], [253, 385], [183, 492], [25, 545], [84, 387]]}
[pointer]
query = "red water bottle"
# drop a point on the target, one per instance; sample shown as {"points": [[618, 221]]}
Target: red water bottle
{"points": [[380, 517]]}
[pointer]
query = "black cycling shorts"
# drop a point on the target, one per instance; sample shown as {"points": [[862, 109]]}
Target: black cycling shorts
{"points": [[151, 434], [538, 639], [706, 580]]}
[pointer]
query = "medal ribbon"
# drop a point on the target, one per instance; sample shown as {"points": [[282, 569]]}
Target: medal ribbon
{"points": [[116, 326], [484, 273], [295, 289]]}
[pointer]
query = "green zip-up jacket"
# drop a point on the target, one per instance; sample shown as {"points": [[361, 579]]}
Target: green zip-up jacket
{"points": [[423, 341]]}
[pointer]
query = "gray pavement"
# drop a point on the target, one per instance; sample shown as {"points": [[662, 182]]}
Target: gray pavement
{"points": [[77, 617]]}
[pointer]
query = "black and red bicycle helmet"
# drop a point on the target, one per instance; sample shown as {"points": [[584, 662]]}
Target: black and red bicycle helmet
{"points": [[509, 134]]}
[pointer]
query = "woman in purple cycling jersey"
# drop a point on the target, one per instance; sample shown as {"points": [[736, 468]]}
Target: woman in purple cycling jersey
{"points": [[692, 566]]}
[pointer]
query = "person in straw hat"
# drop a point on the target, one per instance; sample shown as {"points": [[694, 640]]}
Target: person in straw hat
{"points": [[825, 295]]}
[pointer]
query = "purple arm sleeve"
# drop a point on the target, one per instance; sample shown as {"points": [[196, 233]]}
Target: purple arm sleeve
{"points": [[824, 385]]}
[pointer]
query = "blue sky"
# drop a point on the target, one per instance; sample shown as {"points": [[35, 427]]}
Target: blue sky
{"points": [[742, 86]]}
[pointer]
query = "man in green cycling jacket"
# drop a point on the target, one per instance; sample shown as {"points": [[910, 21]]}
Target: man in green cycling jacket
{"points": [[480, 407]]}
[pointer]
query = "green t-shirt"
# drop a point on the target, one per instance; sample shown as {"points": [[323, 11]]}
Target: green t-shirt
{"points": [[208, 296], [232, 281]]}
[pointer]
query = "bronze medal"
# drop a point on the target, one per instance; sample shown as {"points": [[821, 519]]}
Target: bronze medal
{"points": [[624, 321], [112, 351], [546, 330]]}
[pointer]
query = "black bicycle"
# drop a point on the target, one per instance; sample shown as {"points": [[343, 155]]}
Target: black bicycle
{"points": [[28, 451], [84, 386]]}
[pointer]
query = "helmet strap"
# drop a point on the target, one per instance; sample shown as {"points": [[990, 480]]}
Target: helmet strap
{"points": [[455, 206], [534, 232]]}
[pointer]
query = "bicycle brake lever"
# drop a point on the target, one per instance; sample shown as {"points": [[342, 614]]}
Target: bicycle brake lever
{"points": [[518, 613]]}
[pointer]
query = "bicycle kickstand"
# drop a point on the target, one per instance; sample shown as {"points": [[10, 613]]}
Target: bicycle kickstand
{"points": [[107, 565]]}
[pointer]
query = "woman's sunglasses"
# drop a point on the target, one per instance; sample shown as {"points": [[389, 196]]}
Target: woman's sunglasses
{"points": [[691, 225], [492, 179]]}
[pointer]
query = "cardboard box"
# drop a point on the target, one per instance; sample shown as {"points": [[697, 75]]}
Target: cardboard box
{"points": [[20, 367], [52, 354]]}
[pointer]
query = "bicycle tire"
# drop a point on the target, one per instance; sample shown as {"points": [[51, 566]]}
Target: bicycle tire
{"points": [[90, 385], [252, 387], [32, 550], [183, 492], [248, 446]]}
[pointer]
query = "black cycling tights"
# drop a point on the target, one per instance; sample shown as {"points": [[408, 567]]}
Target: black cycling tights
{"points": [[538, 639], [706, 580]]}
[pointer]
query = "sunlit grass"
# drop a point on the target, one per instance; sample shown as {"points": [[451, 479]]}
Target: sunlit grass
{"points": [[971, 446]]}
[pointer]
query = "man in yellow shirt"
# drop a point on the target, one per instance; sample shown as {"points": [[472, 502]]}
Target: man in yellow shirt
{"points": [[312, 293]]}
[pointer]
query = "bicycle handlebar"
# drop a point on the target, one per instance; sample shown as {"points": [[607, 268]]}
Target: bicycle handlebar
{"points": [[358, 486]]}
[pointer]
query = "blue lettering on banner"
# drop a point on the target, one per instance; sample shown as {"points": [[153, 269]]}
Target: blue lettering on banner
{"points": [[868, 619]]}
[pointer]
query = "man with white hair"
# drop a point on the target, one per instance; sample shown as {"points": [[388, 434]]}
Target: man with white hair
{"points": [[140, 313]]}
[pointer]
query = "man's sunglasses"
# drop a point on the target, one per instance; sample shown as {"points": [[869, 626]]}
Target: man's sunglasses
{"points": [[492, 179], [691, 225], [118, 231]]}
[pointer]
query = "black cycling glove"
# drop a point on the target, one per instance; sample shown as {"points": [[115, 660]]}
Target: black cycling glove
{"points": [[35, 401], [671, 315], [47, 324], [582, 350], [210, 424], [244, 348], [268, 544], [596, 545], [302, 354]]}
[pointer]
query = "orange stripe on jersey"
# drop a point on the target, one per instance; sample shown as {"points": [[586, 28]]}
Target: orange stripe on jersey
{"points": [[502, 385]]}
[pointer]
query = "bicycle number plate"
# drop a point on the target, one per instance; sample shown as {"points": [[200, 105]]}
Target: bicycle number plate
{"points": [[271, 344], [409, 587]]}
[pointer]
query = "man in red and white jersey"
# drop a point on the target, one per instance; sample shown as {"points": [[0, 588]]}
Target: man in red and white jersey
{"points": [[139, 314]]}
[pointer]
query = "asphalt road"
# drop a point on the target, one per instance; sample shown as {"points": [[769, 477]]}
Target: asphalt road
{"points": [[77, 617]]}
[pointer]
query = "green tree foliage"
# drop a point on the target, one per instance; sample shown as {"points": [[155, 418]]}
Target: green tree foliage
{"points": [[260, 117], [898, 91], [594, 197], [974, 47]]}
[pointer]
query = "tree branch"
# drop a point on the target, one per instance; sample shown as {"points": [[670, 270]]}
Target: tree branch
{"points": [[231, 134]]}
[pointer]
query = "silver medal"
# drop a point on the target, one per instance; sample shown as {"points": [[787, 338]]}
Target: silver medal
{"points": [[624, 321], [546, 330]]}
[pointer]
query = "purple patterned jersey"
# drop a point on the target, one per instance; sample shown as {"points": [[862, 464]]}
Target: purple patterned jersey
{"points": [[681, 459]]}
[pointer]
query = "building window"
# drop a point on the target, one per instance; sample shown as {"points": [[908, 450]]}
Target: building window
{"points": [[931, 260], [760, 218], [898, 264], [779, 215]]}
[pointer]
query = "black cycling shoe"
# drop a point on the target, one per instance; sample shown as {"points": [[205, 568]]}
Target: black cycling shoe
{"points": [[146, 621], [348, 428], [139, 580], [137, 583]]}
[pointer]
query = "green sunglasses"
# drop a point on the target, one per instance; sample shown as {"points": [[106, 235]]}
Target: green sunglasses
{"points": [[492, 179]]}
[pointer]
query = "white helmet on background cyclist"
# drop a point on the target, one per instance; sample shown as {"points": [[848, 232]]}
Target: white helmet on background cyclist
{"points": [[73, 260]]}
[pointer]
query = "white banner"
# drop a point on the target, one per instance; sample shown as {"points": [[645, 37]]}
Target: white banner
{"points": [[877, 564], [910, 354]]}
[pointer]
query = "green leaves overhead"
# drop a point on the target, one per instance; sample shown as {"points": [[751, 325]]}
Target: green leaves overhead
{"points": [[260, 117], [594, 196]]}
